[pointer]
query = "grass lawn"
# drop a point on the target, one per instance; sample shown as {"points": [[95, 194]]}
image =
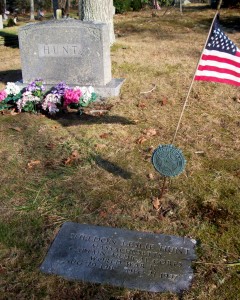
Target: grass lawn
{"points": [[111, 181]]}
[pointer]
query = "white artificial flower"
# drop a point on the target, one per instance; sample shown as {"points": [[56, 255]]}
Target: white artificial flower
{"points": [[12, 89], [87, 93], [50, 102], [52, 108]]}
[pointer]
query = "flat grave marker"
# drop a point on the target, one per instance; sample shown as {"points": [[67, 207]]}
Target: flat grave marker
{"points": [[119, 257]]}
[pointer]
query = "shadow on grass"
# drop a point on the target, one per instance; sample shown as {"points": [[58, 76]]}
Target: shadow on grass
{"points": [[73, 119], [112, 167], [10, 76], [9, 40]]}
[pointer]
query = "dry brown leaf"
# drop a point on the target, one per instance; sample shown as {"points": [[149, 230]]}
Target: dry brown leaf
{"points": [[150, 132], [141, 105], [50, 146], [16, 129], [72, 158], [164, 101], [151, 176], [33, 163], [100, 146], [156, 203], [14, 113], [67, 161], [75, 154], [103, 214], [104, 135], [141, 140], [149, 149]]}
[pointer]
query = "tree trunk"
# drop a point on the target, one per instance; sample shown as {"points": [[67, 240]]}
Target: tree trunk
{"points": [[64, 6], [98, 10], [32, 10], [2, 8]]}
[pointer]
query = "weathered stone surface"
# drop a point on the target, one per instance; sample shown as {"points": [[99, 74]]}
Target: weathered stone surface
{"points": [[132, 259], [66, 50]]}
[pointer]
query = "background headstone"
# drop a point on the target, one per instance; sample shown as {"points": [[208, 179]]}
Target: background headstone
{"points": [[1, 22], [132, 259], [58, 14]]}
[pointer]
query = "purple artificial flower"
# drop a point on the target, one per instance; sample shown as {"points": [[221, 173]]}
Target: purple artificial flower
{"points": [[60, 89], [36, 85]]}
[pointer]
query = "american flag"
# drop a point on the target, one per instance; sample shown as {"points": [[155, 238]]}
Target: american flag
{"points": [[220, 61]]}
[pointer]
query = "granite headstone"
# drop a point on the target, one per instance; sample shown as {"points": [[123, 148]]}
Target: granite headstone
{"points": [[68, 50], [119, 257]]}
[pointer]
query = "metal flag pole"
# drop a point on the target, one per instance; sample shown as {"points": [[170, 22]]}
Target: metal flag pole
{"points": [[163, 189], [191, 85]]}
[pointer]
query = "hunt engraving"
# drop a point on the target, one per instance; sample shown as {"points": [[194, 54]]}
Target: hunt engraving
{"points": [[60, 50]]}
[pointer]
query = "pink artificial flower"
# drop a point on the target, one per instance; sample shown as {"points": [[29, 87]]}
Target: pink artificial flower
{"points": [[3, 95], [72, 96]]}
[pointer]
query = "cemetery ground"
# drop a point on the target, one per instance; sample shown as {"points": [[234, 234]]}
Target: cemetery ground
{"points": [[97, 169]]}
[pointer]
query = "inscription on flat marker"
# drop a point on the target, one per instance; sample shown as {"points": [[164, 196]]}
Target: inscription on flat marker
{"points": [[131, 259]]}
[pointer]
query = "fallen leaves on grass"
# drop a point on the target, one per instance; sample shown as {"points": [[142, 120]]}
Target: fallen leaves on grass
{"points": [[141, 140], [104, 135], [16, 129], [164, 101], [156, 203], [13, 112], [33, 163], [74, 157], [103, 214], [151, 176], [50, 146], [147, 134], [150, 132], [141, 105], [100, 146]]}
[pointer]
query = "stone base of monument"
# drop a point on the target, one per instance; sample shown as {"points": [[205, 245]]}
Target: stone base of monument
{"points": [[111, 89]]}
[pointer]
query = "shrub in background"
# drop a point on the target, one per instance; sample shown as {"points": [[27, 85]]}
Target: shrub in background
{"points": [[127, 5], [136, 4], [122, 6]]}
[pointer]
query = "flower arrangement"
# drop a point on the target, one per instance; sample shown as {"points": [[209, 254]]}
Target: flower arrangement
{"points": [[35, 98]]}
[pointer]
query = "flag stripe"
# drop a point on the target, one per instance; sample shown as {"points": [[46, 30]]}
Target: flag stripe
{"points": [[218, 69], [213, 63], [235, 57], [222, 60], [210, 74], [214, 79]]}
